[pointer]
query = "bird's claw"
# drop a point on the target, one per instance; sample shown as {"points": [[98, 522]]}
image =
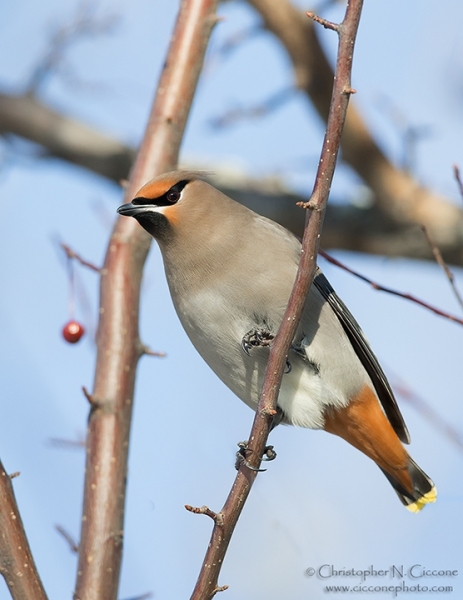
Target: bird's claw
{"points": [[256, 337], [262, 338], [269, 454]]}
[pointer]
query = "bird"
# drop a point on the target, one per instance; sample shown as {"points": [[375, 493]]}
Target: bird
{"points": [[230, 272]]}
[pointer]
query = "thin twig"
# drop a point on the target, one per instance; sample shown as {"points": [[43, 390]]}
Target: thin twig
{"points": [[68, 444], [427, 411], [142, 597], [74, 547], [84, 24], [456, 172], [326, 24], [382, 288], [207, 585], [440, 261], [16, 562], [271, 104], [73, 255], [205, 510], [118, 343], [232, 43], [147, 350]]}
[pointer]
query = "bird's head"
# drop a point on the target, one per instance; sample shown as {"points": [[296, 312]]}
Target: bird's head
{"points": [[158, 205]]}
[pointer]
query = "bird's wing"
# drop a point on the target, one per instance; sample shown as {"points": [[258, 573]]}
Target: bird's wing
{"points": [[366, 356]]}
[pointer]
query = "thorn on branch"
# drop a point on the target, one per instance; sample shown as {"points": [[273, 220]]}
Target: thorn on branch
{"points": [[204, 510], [67, 536], [147, 350], [94, 403], [309, 205], [220, 588], [269, 412], [326, 24]]}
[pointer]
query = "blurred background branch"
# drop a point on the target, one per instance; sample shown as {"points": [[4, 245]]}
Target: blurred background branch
{"points": [[388, 224]]}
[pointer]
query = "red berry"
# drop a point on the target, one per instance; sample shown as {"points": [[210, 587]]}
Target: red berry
{"points": [[73, 331]]}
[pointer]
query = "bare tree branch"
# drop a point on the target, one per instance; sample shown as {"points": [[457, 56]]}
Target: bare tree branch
{"points": [[207, 584], [382, 288], [118, 343], [64, 137], [85, 23], [73, 545], [71, 254], [441, 262], [398, 195], [367, 229], [16, 562]]}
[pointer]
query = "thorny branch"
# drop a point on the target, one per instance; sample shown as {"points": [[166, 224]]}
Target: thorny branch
{"points": [[118, 344], [207, 585]]}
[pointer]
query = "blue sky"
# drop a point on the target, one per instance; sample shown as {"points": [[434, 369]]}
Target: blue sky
{"points": [[321, 501]]}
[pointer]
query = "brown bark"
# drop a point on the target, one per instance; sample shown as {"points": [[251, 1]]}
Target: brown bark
{"points": [[16, 562], [225, 521], [118, 343]]}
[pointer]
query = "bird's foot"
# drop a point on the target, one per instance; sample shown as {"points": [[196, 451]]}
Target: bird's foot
{"points": [[256, 337], [243, 451], [260, 337]]}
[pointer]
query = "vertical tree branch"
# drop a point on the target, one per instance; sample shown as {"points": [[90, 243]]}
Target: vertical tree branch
{"points": [[207, 584], [118, 343], [16, 563]]}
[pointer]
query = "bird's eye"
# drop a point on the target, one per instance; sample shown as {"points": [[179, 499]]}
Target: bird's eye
{"points": [[173, 196]]}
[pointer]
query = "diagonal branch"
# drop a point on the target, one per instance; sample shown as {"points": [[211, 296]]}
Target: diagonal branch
{"points": [[207, 584], [398, 195], [382, 288], [16, 562], [118, 343], [441, 262], [64, 137]]}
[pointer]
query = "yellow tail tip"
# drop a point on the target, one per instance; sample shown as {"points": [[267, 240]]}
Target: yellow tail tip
{"points": [[428, 498]]}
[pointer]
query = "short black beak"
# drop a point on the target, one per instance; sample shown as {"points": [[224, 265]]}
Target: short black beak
{"points": [[131, 210]]}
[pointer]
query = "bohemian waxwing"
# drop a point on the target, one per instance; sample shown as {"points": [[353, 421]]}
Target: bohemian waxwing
{"points": [[230, 272]]}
